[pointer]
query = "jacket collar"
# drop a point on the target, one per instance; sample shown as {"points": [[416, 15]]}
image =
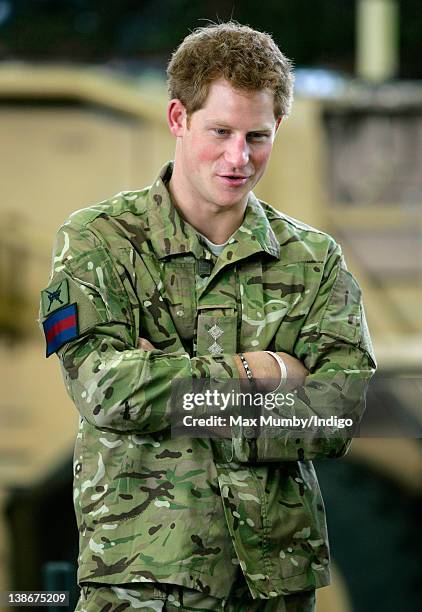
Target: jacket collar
{"points": [[171, 235]]}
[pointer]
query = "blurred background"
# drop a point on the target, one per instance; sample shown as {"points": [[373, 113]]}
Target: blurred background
{"points": [[82, 116]]}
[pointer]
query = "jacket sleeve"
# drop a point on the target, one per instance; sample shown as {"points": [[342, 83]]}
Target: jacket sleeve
{"points": [[114, 385], [335, 347]]}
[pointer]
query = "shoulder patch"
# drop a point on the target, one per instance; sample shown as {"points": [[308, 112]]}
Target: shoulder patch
{"points": [[54, 297], [61, 327]]}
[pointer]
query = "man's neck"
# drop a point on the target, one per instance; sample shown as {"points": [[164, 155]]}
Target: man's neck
{"points": [[208, 219]]}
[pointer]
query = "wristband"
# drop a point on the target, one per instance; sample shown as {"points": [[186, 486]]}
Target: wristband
{"points": [[247, 369], [283, 369]]}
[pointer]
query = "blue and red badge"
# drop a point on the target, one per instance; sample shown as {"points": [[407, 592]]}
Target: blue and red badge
{"points": [[61, 327]]}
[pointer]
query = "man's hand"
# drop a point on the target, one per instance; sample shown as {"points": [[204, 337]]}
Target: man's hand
{"points": [[145, 344]]}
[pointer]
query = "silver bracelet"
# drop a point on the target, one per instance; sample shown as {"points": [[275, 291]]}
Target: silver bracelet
{"points": [[283, 369]]}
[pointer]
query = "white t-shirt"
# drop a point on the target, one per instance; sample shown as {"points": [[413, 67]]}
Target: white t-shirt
{"points": [[215, 249]]}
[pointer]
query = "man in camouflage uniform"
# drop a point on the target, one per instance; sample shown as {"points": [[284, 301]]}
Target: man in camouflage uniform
{"points": [[175, 282]]}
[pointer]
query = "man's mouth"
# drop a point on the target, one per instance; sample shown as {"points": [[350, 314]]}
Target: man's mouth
{"points": [[235, 180]]}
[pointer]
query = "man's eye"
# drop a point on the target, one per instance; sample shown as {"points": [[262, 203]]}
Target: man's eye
{"points": [[221, 131], [257, 136]]}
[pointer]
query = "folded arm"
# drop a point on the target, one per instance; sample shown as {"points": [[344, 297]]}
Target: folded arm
{"points": [[334, 361], [114, 383]]}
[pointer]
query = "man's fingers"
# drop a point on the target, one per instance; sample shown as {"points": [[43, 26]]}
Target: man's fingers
{"points": [[145, 344]]}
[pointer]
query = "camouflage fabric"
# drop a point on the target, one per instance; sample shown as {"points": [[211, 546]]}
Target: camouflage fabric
{"points": [[188, 512], [156, 597]]}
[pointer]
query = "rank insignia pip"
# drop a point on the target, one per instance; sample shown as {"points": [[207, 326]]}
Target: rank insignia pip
{"points": [[61, 327]]}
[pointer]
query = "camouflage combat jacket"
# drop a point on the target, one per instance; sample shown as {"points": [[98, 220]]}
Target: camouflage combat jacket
{"points": [[189, 511]]}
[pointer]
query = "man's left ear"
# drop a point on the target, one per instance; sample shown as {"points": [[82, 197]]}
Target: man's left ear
{"points": [[277, 123]]}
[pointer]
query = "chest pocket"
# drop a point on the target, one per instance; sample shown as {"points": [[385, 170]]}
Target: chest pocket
{"points": [[179, 284]]}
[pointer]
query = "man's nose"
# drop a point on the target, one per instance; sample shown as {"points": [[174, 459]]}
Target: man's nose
{"points": [[237, 152]]}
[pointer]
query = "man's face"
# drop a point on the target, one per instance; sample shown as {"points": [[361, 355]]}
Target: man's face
{"points": [[223, 150]]}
